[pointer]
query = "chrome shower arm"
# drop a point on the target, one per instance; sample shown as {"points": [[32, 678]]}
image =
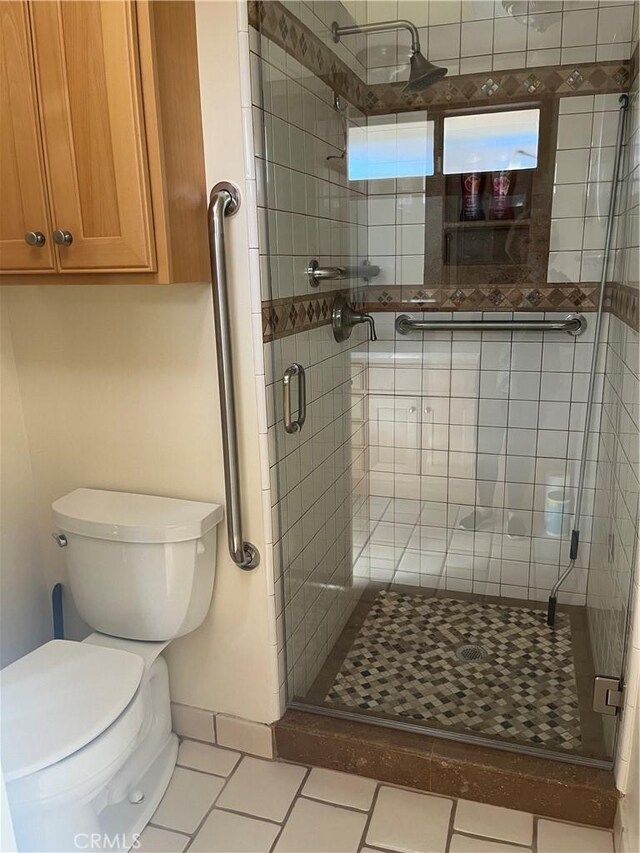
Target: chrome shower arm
{"points": [[378, 27]]}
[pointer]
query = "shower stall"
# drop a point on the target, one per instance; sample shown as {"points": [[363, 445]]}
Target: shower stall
{"points": [[451, 337]]}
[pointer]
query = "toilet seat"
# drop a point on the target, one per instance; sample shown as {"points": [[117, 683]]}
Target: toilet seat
{"points": [[62, 697]]}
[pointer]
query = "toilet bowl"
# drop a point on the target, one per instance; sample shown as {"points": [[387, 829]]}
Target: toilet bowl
{"points": [[88, 749], [87, 746]]}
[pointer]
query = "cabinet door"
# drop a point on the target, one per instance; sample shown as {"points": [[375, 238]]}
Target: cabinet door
{"points": [[86, 62], [23, 203]]}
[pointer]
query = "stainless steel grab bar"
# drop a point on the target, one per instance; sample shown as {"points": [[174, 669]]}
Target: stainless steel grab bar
{"points": [[225, 201], [575, 324], [291, 425]]}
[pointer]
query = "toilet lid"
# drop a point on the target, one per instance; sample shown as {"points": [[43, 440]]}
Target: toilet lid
{"points": [[59, 698]]}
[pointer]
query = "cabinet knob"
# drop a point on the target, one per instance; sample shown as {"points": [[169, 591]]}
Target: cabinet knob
{"points": [[35, 238], [62, 238]]}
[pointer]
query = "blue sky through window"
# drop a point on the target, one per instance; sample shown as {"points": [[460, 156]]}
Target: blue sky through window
{"points": [[391, 150], [491, 142]]}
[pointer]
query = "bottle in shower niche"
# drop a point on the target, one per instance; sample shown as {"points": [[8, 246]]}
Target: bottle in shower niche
{"points": [[502, 184], [472, 190]]}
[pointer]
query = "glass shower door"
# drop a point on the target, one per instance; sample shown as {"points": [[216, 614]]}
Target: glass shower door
{"points": [[423, 511], [313, 242]]}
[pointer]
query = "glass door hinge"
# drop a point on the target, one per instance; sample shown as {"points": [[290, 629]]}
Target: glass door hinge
{"points": [[607, 695]]}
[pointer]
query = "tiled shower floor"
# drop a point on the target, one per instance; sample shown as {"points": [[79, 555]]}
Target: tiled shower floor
{"points": [[398, 658]]}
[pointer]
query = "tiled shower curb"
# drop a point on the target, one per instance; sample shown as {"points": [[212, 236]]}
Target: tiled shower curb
{"points": [[542, 786]]}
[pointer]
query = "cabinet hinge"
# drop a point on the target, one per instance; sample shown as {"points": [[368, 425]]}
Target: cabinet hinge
{"points": [[607, 695]]}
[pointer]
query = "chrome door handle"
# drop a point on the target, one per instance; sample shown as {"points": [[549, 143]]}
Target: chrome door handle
{"points": [[291, 425], [35, 238], [62, 238], [224, 201]]}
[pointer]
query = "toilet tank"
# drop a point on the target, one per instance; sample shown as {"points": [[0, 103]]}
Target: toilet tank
{"points": [[140, 566]]}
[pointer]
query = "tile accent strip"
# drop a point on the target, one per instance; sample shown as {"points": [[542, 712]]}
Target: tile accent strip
{"points": [[281, 26], [623, 302], [282, 317], [543, 297], [497, 87]]}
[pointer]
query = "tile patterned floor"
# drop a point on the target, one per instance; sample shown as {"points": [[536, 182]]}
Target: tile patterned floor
{"points": [[220, 801], [404, 662]]}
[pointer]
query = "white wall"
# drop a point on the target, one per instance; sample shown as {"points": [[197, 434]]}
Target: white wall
{"points": [[119, 391], [25, 616]]}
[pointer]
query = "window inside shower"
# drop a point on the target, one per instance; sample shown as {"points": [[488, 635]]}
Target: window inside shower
{"points": [[424, 512]]}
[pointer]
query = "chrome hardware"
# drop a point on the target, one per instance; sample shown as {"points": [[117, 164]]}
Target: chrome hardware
{"points": [[368, 270], [290, 425], [225, 201], [62, 238], [574, 324], [35, 238], [344, 318], [316, 273], [61, 539], [607, 695]]}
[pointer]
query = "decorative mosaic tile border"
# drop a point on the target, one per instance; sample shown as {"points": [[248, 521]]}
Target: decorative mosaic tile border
{"points": [[503, 86], [510, 297], [281, 26], [623, 301], [282, 317]]}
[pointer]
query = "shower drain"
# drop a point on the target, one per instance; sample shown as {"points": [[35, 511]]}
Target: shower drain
{"points": [[471, 652]]}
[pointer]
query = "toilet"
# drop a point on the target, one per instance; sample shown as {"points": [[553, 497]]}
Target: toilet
{"points": [[87, 746]]}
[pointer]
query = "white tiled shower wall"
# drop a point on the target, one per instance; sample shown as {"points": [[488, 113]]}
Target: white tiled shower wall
{"points": [[587, 129], [462, 423], [318, 476], [469, 36], [507, 564]]}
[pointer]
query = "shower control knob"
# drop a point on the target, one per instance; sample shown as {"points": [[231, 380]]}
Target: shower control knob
{"points": [[35, 238], [62, 238]]}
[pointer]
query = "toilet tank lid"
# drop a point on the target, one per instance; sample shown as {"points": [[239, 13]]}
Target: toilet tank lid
{"points": [[127, 517], [59, 698]]}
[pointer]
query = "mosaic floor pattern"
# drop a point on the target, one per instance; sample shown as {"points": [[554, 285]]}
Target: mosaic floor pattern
{"points": [[404, 661]]}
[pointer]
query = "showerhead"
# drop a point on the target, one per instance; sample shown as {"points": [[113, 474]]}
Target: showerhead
{"points": [[422, 74]]}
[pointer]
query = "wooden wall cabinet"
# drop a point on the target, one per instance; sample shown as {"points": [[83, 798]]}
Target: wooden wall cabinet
{"points": [[101, 151]]}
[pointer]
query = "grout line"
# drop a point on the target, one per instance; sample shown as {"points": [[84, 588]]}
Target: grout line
{"points": [[450, 830], [167, 829], [295, 799], [525, 848], [372, 807], [534, 840], [213, 805]]}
